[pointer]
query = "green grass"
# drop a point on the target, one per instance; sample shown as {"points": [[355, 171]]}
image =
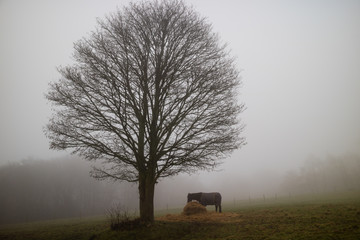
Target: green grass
{"points": [[332, 216], [55, 229]]}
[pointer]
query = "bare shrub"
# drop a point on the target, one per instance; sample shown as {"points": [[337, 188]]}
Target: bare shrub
{"points": [[121, 219]]}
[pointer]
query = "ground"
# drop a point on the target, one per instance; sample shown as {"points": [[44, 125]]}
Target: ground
{"points": [[313, 217], [209, 217]]}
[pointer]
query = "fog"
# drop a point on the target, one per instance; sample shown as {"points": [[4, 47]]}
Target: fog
{"points": [[300, 67], [62, 188]]}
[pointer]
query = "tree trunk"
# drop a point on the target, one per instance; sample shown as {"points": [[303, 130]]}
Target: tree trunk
{"points": [[146, 193]]}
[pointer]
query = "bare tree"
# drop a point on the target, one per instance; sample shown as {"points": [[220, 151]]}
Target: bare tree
{"points": [[152, 94]]}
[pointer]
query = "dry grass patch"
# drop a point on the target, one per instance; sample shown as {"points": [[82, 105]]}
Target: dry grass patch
{"points": [[202, 217], [195, 212]]}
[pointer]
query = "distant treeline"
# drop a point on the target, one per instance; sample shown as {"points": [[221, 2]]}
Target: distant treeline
{"points": [[34, 190], [333, 173], [38, 190]]}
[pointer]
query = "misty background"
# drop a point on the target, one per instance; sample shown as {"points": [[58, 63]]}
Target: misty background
{"points": [[300, 67]]}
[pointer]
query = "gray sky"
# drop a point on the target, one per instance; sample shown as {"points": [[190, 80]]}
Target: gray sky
{"points": [[300, 63]]}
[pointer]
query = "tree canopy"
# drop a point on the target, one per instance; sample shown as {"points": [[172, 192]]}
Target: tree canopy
{"points": [[152, 93]]}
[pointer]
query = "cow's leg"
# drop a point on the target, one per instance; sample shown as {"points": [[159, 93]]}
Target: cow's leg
{"points": [[219, 208], [216, 206]]}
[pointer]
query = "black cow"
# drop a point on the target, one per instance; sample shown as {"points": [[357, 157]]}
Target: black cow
{"points": [[206, 199]]}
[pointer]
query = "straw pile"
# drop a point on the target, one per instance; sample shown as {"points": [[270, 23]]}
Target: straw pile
{"points": [[192, 208]]}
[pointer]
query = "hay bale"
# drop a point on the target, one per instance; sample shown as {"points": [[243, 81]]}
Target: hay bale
{"points": [[192, 208]]}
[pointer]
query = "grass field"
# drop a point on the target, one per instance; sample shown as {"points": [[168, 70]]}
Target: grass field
{"points": [[335, 216]]}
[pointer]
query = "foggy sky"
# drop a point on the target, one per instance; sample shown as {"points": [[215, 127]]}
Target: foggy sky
{"points": [[299, 61]]}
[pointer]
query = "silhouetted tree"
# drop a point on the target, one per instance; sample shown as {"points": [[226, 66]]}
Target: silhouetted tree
{"points": [[152, 94]]}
